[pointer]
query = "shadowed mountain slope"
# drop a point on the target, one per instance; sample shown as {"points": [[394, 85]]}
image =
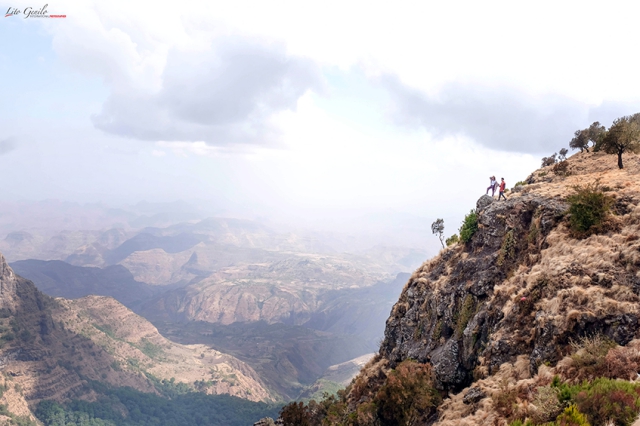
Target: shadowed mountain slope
{"points": [[60, 279]]}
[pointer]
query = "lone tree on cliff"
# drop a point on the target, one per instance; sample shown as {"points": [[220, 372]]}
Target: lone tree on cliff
{"points": [[580, 141], [623, 136], [437, 228]]}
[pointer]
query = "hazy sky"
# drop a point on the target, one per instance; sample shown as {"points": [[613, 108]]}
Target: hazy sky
{"points": [[303, 109]]}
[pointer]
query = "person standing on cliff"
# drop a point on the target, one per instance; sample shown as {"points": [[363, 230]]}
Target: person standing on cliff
{"points": [[502, 187], [492, 186]]}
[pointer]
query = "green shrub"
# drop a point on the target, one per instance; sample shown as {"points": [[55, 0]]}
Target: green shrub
{"points": [[469, 226], [607, 399], [521, 423], [508, 248], [452, 240], [466, 312], [589, 207], [572, 417]]}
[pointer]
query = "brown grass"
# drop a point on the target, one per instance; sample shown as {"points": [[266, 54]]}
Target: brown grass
{"points": [[589, 278]]}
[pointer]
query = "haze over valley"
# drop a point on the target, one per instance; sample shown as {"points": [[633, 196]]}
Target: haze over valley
{"points": [[300, 301], [331, 213]]}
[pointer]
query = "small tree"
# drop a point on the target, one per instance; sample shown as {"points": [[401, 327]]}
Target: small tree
{"points": [[562, 154], [623, 136], [437, 228], [580, 140], [595, 133], [549, 161]]}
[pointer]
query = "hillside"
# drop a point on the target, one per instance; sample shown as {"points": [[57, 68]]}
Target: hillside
{"points": [[60, 279], [135, 345], [480, 330], [65, 351]]}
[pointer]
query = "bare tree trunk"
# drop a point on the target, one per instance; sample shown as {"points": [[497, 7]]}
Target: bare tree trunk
{"points": [[620, 159]]}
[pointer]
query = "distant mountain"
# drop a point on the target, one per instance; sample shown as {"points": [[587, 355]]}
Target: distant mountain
{"points": [[145, 241], [290, 290], [60, 279]]}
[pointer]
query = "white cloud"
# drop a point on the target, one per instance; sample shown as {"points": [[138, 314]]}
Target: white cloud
{"points": [[175, 75]]}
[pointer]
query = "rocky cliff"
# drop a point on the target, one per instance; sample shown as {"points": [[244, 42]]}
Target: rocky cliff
{"points": [[497, 317], [461, 310]]}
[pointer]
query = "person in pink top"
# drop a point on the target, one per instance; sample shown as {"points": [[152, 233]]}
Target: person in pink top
{"points": [[492, 186]]}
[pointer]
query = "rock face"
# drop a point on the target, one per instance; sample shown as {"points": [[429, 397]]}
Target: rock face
{"points": [[448, 311], [522, 286]]}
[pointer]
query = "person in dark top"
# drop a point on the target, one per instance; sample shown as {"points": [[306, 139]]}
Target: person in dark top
{"points": [[502, 187]]}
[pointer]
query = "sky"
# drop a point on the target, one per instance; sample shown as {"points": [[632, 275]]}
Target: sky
{"points": [[303, 112]]}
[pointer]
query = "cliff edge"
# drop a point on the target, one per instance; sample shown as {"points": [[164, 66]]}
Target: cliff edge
{"points": [[524, 308]]}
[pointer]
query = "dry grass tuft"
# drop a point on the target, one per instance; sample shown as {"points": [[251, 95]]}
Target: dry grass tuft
{"points": [[545, 405]]}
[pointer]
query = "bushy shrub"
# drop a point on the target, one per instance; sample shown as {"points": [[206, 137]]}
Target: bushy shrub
{"points": [[572, 417], [590, 354], [452, 240], [507, 402], [607, 399], [549, 161], [561, 168], [408, 395], [296, 414], [507, 248], [622, 363], [521, 423], [589, 207], [469, 226], [546, 405]]}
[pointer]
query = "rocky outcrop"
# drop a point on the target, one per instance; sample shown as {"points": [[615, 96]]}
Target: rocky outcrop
{"points": [[522, 286], [449, 310]]}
